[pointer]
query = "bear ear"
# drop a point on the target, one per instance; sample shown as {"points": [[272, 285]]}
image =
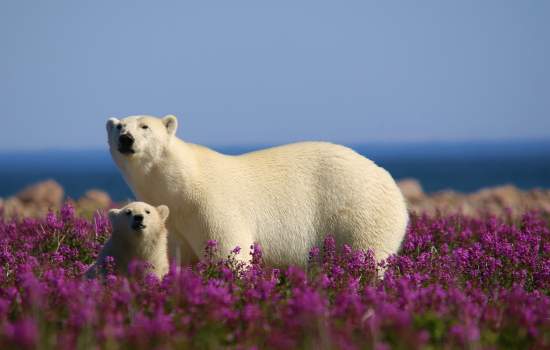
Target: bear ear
{"points": [[163, 212], [113, 213], [171, 124], [111, 123]]}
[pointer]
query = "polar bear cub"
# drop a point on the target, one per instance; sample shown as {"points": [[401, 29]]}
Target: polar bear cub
{"points": [[286, 198], [139, 233]]}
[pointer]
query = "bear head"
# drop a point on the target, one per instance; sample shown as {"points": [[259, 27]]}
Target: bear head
{"points": [[140, 137], [139, 222]]}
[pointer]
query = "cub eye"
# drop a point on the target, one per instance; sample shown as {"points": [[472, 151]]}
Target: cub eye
{"points": [[119, 127], [147, 211], [128, 212], [144, 127]]}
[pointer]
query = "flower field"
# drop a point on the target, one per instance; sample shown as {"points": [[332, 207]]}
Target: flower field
{"points": [[458, 282]]}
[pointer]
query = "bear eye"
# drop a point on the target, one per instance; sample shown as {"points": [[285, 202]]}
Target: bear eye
{"points": [[144, 127], [128, 212], [119, 127], [147, 211]]}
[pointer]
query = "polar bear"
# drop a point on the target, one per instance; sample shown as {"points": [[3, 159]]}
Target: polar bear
{"points": [[285, 198], [139, 233]]}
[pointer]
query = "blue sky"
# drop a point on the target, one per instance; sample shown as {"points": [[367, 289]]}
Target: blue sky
{"points": [[238, 72]]}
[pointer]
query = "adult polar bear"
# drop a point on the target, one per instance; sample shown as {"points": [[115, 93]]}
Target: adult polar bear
{"points": [[285, 198]]}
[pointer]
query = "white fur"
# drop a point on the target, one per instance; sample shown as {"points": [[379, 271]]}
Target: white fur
{"points": [[285, 198], [126, 244]]}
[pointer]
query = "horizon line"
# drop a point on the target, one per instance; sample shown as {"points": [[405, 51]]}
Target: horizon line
{"points": [[508, 141], [254, 146]]}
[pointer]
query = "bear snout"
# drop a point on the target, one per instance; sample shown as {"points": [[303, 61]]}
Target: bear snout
{"points": [[125, 143], [138, 222]]}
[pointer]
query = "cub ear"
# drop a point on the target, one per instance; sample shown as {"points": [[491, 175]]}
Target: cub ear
{"points": [[163, 212], [171, 124], [113, 213], [111, 123]]}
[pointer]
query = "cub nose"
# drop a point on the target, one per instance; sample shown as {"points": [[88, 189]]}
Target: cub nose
{"points": [[126, 140], [138, 218]]}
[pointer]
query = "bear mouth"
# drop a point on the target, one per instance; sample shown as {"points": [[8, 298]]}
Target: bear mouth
{"points": [[138, 227], [126, 150]]}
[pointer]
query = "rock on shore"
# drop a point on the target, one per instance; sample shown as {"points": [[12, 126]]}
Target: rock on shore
{"points": [[37, 199], [495, 200]]}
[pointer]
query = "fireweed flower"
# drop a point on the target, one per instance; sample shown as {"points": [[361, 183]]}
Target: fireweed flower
{"points": [[457, 282]]}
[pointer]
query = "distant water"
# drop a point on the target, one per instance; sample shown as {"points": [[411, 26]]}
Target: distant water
{"points": [[459, 166]]}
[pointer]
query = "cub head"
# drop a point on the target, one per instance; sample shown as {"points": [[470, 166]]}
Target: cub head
{"points": [[139, 221], [140, 137]]}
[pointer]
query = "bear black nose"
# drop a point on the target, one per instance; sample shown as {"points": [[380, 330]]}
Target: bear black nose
{"points": [[138, 218], [126, 140]]}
